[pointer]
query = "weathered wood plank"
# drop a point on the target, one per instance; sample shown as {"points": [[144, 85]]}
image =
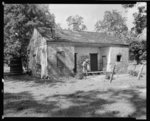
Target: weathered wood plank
{"points": [[95, 72], [139, 74], [112, 73]]}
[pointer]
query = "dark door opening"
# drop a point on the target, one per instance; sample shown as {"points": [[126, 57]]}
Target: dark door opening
{"points": [[93, 62], [75, 63], [104, 63]]}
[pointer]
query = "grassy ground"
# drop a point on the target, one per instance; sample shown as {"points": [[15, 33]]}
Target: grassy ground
{"points": [[94, 96]]}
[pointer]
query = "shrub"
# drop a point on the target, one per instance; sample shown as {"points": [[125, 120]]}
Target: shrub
{"points": [[133, 73], [80, 75], [108, 75], [80, 61], [29, 72]]}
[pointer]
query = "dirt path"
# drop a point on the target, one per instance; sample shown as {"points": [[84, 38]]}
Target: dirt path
{"points": [[67, 97]]}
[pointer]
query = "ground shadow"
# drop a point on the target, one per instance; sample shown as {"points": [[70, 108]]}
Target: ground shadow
{"points": [[17, 102], [134, 99], [28, 78], [81, 103], [85, 104]]}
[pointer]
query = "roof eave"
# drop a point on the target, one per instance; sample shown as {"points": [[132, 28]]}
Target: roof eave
{"points": [[85, 43]]}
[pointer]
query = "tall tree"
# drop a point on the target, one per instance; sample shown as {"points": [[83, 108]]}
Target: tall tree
{"points": [[76, 23], [138, 50], [140, 17], [112, 22], [19, 21]]}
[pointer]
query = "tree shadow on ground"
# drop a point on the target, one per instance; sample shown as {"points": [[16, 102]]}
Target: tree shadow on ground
{"points": [[27, 78], [78, 104], [17, 102], [134, 99], [85, 104]]}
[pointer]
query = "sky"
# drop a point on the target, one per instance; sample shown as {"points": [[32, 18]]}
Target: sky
{"points": [[90, 12]]}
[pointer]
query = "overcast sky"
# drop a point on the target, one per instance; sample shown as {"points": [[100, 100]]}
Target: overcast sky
{"points": [[90, 12]]}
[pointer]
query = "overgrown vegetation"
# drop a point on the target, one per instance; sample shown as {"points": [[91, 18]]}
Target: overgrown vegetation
{"points": [[80, 74], [19, 22], [138, 51], [133, 73], [113, 22], [138, 48]]}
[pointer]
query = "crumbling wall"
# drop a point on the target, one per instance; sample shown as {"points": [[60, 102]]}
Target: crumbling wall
{"points": [[53, 59], [38, 55], [122, 66]]}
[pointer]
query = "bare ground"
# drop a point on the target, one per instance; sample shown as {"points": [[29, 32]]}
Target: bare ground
{"points": [[94, 96]]}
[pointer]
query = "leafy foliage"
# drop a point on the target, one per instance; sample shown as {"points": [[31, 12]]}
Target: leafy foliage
{"points": [[138, 48], [140, 20], [138, 51], [81, 60], [76, 23], [112, 22], [80, 74], [133, 73], [19, 21]]}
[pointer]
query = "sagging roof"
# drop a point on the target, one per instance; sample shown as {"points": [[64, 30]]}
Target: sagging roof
{"points": [[87, 37]]}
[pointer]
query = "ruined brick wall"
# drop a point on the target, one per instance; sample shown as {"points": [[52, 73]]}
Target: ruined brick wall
{"points": [[122, 66], [67, 60], [37, 55]]}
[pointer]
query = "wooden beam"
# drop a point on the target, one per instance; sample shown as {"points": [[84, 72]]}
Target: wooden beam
{"points": [[95, 72], [139, 75]]}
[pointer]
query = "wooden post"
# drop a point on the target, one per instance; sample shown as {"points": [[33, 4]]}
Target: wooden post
{"points": [[139, 74], [134, 67], [112, 74]]}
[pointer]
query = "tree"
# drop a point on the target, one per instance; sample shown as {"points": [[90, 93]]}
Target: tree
{"points": [[112, 22], [19, 22], [140, 17], [76, 23], [138, 48], [137, 51]]}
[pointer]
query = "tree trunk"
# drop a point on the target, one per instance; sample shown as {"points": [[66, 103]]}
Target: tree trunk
{"points": [[16, 65]]}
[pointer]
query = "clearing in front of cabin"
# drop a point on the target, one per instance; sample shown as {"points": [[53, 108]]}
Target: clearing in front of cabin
{"points": [[94, 96]]}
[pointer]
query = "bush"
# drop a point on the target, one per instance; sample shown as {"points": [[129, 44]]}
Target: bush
{"points": [[29, 72], [80, 75], [80, 61], [108, 75], [133, 73]]}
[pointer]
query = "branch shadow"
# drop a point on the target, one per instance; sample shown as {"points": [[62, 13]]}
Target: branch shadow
{"points": [[78, 104], [85, 104], [23, 102], [27, 78]]}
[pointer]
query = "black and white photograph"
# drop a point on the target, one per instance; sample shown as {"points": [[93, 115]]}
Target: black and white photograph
{"points": [[75, 60]]}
